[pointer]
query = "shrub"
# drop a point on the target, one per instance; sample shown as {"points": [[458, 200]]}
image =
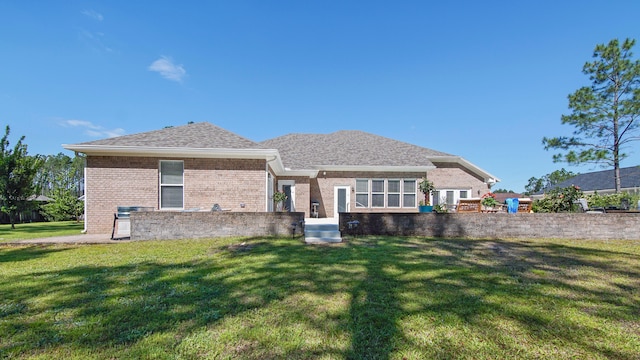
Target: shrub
{"points": [[605, 200], [559, 200]]}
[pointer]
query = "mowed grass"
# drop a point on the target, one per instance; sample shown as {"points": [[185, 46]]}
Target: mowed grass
{"points": [[368, 298], [39, 230]]}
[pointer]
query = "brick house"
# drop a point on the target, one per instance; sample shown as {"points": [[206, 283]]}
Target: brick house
{"points": [[197, 165]]}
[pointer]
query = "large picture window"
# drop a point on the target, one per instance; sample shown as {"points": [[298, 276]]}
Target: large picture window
{"points": [[171, 184], [389, 193]]}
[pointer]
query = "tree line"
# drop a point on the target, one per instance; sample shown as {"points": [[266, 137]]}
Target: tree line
{"points": [[59, 178]]}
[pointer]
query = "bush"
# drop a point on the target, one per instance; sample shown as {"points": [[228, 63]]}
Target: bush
{"points": [[605, 200], [65, 206], [559, 200]]}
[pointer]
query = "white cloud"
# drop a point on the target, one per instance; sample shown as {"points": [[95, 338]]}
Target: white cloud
{"points": [[93, 130], [167, 69], [93, 14]]}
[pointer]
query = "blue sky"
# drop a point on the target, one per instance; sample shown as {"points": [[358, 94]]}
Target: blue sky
{"points": [[485, 80]]}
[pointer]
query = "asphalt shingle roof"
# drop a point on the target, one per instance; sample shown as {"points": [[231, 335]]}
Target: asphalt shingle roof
{"points": [[604, 180], [298, 151], [348, 148], [202, 135]]}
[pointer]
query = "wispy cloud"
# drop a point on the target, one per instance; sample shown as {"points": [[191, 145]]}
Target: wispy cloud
{"points": [[93, 130], [94, 41], [167, 69], [93, 14]]}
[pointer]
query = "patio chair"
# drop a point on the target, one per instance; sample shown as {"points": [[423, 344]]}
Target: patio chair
{"points": [[586, 209]]}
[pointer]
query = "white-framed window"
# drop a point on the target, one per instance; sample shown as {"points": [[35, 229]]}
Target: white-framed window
{"points": [[390, 193], [393, 193], [377, 193], [171, 184], [362, 193], [449, 197], [408, 193]]}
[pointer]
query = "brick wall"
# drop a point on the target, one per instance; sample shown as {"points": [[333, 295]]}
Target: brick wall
{"points": [[166, 225], [302, 200], [322, 189], [452, 176], [496, 226], [133, 181]]}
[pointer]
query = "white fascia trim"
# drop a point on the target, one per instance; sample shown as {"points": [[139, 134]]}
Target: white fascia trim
{"points": [[370, 168], [271, 155], [173, 152], [488, 178], [302, 173]]}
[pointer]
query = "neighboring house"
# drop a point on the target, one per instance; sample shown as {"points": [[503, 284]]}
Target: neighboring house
{"points": [[197, 165], [602, 182]]}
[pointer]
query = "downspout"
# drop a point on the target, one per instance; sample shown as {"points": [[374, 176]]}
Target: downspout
{"points": [[84, 182], [266, 187]]}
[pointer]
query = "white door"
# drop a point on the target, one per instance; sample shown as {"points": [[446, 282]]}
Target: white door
{"points": [[289, 188], [341, 200]]}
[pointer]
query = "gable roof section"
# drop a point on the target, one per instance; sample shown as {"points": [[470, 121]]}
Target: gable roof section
{"points": [[192, 140], [293, 154], [348, 149], [202, 135], [602, 180], [359, 150]]}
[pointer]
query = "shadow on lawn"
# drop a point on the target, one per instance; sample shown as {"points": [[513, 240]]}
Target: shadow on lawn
{"points": [[19, 253], [385, 282]]}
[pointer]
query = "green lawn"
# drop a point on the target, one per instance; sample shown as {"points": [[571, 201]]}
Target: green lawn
{"points": [[39, 230], [369, 298]]}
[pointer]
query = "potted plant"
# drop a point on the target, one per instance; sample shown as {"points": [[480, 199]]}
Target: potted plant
{"points": [[426, 187], [489, 201], [279, 197]]}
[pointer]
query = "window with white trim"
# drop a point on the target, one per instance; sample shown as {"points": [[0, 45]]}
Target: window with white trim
{"points": [[362, 193], [408, 193], [377, 193], [390, 193], [393, 193], [449, 197], [171, 184]]}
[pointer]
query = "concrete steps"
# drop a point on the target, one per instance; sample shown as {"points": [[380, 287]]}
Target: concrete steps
{"points": [[318, 233]]}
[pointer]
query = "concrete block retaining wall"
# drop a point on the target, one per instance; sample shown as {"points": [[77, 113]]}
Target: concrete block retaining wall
{"points": [[623, 226], [164, 225]]}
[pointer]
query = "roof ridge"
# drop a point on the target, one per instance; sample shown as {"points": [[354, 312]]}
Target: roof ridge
{"points": [[194, 135]]}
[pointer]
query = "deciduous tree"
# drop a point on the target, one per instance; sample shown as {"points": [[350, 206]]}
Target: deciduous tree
{"points": [[547, 181], [17, 171]]}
